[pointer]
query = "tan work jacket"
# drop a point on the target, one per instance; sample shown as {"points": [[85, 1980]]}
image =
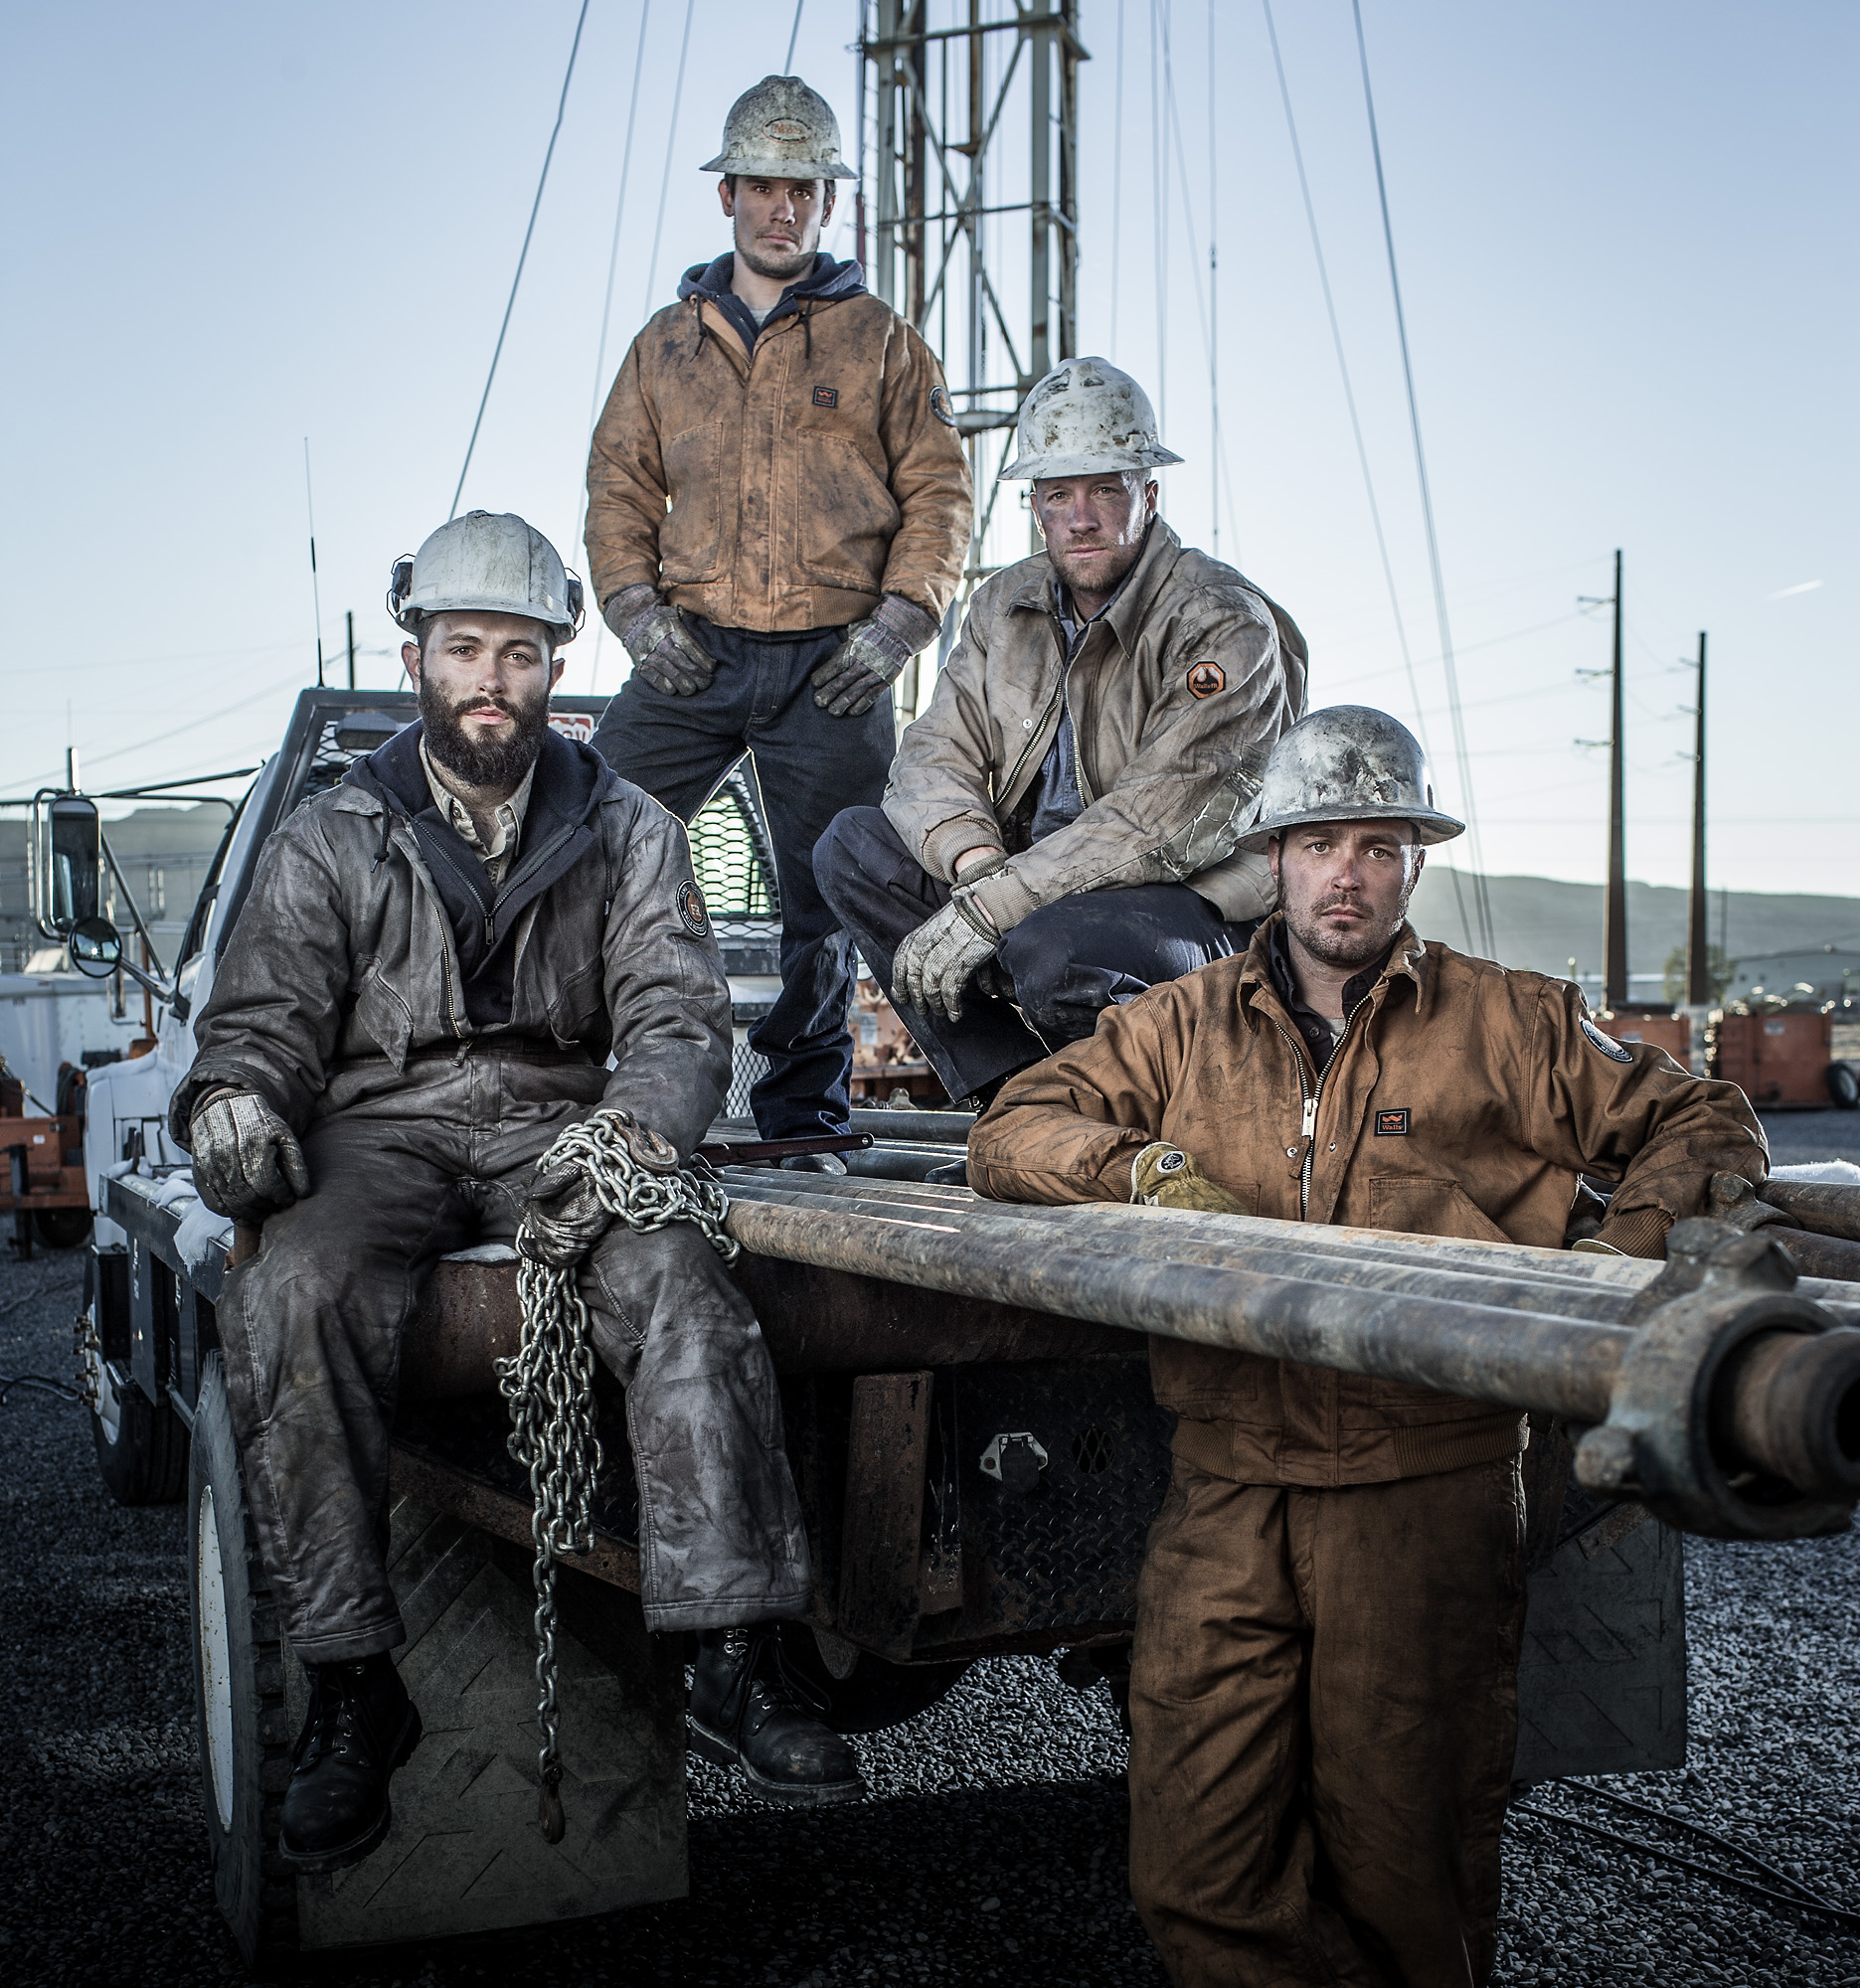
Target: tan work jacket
{"points": [[1463, 1100], [787, 489], [1177, 693]]}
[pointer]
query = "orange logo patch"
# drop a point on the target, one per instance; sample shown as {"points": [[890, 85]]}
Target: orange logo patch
{"points": [[1205, 679]]}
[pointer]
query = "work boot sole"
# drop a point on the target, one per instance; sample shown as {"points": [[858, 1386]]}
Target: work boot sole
{"points": [[317, 1863], [790, 1794]]}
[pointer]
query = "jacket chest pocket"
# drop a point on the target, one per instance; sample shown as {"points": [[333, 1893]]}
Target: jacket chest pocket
{"points": [[848, 515], [690, 539]]}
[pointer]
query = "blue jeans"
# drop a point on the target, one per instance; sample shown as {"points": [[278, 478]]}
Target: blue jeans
{"points": [[809, 765], [1069, 962]]}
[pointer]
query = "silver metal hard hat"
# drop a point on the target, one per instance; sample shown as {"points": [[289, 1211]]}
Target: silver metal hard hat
{"points": [[1348, 763], [489, 559], [781, 131], [1086, 416]]}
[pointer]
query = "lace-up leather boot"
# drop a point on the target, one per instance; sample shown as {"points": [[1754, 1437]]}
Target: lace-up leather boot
{"points": [[750, 1709], [361, 1727]]}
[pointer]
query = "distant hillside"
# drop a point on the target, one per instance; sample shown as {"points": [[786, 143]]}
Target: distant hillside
{"points": [[1777, 940]]}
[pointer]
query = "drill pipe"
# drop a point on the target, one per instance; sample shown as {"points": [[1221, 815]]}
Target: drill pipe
{"points": [[1524, 1343], [1827, 1208]]}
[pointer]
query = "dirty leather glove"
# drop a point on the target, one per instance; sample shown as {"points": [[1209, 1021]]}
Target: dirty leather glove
{"points": [[1163, 1176], [875, 650], [934, 963], [247, 1161], [663, 649], [564, 1216]]}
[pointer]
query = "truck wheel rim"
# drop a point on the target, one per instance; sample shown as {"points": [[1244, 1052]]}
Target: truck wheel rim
{"points": [[215, 1675]]}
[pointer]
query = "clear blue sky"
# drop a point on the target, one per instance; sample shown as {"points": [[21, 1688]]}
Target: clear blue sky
{"points": [[1627, 250]]}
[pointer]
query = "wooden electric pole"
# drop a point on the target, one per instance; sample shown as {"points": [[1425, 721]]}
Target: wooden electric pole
{"points": [[350, 620], [1698, 952], [1614, 963]]}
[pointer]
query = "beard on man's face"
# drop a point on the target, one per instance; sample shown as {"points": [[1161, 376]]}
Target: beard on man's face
{"points": [[772, 265], [1353, 945], [1103, 575], [490, 763]]}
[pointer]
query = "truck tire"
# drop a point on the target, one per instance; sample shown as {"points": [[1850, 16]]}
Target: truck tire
{"points": [[239, 1693], [1844, 1086], [62, 1227], [873, 1694], [141, 1447]]}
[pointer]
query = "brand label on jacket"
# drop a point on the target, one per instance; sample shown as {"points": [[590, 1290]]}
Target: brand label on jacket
{"points": [[826, 396], [697, 920], [1606, 1044], [1392, 1125], [1203, 679]]}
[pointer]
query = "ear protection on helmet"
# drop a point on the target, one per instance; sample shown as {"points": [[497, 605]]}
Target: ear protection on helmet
{"points": [[399, 585], [576, 599]]}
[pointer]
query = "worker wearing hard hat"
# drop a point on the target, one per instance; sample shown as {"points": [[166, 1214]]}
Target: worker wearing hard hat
{"points": [[777, 515], [1323, 1691], [1060, 825], [440, 958]]}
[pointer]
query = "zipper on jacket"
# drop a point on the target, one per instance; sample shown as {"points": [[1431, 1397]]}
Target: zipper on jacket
{"points": [[1307, 1123]]}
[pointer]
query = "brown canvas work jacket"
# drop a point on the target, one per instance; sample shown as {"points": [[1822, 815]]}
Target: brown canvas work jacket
{"points": [[1463, 1100], [1177, 692], [783, 488]]}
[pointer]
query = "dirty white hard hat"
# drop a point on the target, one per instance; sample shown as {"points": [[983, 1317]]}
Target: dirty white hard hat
{"points": [[1348, 762], [491, 560], [781, 131], [1086, 416]]}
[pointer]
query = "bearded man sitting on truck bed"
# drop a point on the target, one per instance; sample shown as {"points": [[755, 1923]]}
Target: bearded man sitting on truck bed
{"points": [[422, 990]]}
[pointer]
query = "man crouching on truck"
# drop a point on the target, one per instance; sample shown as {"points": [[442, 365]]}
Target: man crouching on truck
{"points": [[1323, 1686], [421, 992]]}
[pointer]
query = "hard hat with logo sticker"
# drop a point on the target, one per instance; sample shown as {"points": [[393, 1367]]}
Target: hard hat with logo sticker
{"points": [[781, 129], [1086, 416], [491, 560], [1348, 762]]}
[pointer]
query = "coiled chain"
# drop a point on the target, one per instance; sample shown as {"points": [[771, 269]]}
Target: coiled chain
{"points": [[548, 1381]]}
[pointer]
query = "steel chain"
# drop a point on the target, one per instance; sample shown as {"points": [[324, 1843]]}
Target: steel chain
{"points": [[549, 1383]]}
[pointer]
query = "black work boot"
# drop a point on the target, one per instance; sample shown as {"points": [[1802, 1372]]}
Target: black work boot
{"points": [[749, 1710], [361, 1727]]}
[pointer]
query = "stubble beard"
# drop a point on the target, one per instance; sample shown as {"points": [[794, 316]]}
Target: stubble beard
{"points": [[789, 269], [1350, 950], [1111, 575], [492, 762]]}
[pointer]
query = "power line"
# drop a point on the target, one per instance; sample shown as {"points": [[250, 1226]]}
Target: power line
{"points": [[665, 180], [1116, 179], [1482, 897], [1356, 429], [1214, 309], [523, 256], [794, 34]]}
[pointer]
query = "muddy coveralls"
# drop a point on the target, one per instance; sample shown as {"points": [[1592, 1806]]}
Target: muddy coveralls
{"points": [[427, 1034], [1323, 1687], [774, 482]]}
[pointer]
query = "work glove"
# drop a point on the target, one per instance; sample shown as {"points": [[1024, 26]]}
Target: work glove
{"points": [[247, 1161], [934, 963], [663, 649], [875, 650], [564, 1216], [1163, 1176]]}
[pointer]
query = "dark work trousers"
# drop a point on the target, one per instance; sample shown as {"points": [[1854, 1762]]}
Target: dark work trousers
{"points": [[809, 764], [1324, 1710], [1069, 962], [404, 1168]]}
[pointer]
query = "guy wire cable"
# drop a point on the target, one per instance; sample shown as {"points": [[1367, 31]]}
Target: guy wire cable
{"points": [[665, 178], [1356, 429], [523, 255], [606, 312], [1214, 306], [1117, 176], [1482, 899], [794, 34]]}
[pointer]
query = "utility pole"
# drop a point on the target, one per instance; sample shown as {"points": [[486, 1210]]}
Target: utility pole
{"points": [[1614, 965], [1698, 952], [349, 616]]}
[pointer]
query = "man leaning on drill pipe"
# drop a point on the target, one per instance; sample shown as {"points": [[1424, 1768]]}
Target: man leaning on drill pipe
{"points": [[1060, 828], [435, 962], [778, 514], [1323, 1692]]}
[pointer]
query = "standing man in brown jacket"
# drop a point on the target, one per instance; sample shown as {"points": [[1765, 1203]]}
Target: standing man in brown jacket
{"points": [[1323, 1690], [778, 510], [1060, 826]]}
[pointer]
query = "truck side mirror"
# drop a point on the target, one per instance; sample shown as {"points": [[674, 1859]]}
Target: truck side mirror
{"points": [[95, 948], [67, 862]]}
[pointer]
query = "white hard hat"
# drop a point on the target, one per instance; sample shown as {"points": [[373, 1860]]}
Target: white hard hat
{"points": [[781, 131], [488, 560], [1086, 416], [1348, 763]]}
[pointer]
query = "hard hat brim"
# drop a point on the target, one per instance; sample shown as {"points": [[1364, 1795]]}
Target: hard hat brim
{"points": [[1429, 823], [414, 612], [780, 169], [1037, 468]]}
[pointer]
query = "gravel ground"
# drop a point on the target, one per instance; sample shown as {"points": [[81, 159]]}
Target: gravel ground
{"points": [[1796, 1137], [992, 1848]]}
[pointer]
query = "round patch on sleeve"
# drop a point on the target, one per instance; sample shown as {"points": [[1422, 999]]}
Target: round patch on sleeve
{"points": [[940, 408], [691, 912], [1609, 1048], [1172, 1163], [1205, 679]]}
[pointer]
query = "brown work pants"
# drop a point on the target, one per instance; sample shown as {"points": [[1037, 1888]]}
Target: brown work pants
{"points": [[1323, 1704]]}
